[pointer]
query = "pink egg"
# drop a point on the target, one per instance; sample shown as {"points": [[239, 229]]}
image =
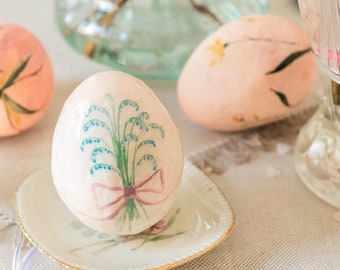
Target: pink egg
{"points": [[249, 72], [26, 80]]}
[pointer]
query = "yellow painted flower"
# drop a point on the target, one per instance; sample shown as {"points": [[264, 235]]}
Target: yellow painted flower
{"points": [[217, 50], [238, 118]]}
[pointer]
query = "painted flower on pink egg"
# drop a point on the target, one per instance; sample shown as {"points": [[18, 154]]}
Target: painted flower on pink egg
{"points": [[8, 78], [217, 51], [217, 55]]}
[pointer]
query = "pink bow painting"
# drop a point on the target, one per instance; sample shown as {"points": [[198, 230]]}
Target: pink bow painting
{"points": [[153, 185]]}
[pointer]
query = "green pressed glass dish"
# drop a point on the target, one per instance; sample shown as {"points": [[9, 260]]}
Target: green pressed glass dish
{"points": [[146, 38]]}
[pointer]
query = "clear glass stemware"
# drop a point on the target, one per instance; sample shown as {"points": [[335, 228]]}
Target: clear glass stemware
{"points": [[317, 153]]}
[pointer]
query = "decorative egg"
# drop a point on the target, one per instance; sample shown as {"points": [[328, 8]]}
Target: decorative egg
{"points": [[26, 80], [117, 159], [250, 72]]}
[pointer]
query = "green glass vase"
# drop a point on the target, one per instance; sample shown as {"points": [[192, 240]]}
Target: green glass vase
{"points": [[146, 38]]}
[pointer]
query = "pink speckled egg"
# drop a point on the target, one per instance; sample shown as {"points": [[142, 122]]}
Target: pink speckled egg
{"points": [[117, 159], [249, 72], [26, 80]]}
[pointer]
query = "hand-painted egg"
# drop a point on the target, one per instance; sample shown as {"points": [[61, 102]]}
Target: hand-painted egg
{"points": [[26, 80], [249, 72], [117, 159]]}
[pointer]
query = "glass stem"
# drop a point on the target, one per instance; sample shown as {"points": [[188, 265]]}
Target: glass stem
{"points": [[335, 93]]}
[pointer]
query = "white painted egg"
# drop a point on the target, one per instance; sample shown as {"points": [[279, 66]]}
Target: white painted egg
{"points": [[117, 159], [250, 72]]}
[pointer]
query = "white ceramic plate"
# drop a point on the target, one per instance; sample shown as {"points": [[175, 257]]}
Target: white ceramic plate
{"points": [[199, 219]]}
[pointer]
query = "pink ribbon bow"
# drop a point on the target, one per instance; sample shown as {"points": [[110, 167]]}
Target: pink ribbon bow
{"points": [[130, 192]]}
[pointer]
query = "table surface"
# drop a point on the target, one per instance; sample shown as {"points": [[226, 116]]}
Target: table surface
{"points": [[247, 247]]}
